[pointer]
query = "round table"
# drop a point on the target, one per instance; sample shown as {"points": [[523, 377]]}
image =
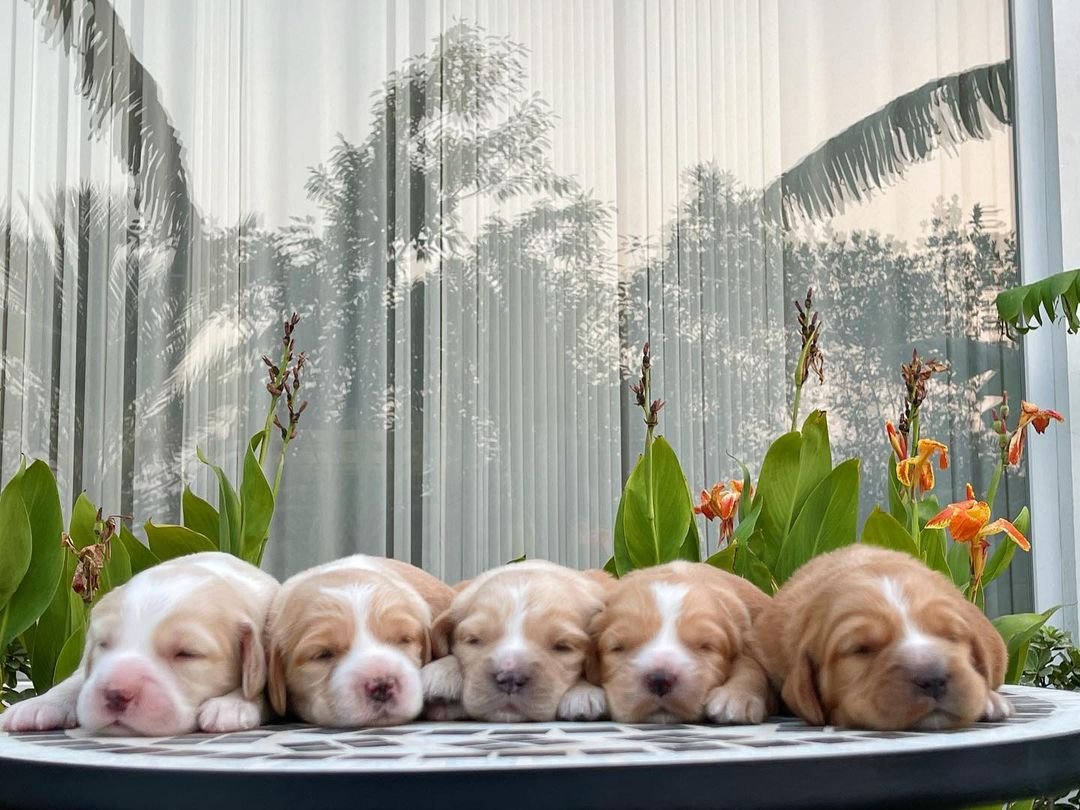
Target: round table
{"points": [[782, 763]]}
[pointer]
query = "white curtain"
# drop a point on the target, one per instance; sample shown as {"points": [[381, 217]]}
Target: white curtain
{"points": [[481, 210]]}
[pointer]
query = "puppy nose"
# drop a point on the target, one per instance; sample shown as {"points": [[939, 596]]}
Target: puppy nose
{"points": [[510, 680], [116, 700], [660, 682], [933, 684], [380, 689]]}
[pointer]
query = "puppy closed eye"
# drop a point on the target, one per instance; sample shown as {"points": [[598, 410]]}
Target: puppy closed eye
{"points": [[406, 640], [562, 646], [472, 641], [862, 650], [186, 654], [323, 656]]}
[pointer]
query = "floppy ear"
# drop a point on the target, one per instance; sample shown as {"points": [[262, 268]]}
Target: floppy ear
{"points": [[800, 691], [275, 687], [594, 670], [425, 647], [442, 629], [252, 662], [989, 655]]}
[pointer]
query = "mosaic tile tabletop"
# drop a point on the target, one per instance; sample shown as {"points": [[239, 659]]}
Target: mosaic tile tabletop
{"points": [[464, 746]]}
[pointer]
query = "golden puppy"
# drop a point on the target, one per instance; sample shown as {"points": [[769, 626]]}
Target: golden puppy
{"points": [[512, 647], [671, 645], [869, 638], [347, 640], [175, 649]]}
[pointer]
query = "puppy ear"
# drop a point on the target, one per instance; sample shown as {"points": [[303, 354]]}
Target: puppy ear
{"points": [[252, 662], [989, 655], [275, 687], [594, 670], [800, 691], [442, 629], [425, 647]]}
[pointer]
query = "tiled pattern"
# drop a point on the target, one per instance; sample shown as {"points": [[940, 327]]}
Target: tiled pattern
{"points": [[441, 745]]}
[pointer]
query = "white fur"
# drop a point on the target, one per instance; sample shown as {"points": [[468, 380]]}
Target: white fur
{"points": [[513, 643], [665, 650], [582, 701], [914, 641]]}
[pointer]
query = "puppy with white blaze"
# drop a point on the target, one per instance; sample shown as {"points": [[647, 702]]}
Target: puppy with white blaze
{"points": [[176, 648], [348, 639], [869, 638], [512, 647], [672, 645]]}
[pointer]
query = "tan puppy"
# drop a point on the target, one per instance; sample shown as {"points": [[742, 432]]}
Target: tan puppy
{"points": [[671, 645], [512, 647], [347, 640], [178, 647], [870, 638]]}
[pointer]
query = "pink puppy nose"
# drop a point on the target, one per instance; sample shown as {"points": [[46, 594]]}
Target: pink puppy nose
{"points": [[381, 690], [116, 700]]}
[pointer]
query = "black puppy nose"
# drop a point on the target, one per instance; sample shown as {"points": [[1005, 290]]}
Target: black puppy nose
{"points": [[932, 684], [116, 700], [380, 690], [510, 680], [660, 683]]}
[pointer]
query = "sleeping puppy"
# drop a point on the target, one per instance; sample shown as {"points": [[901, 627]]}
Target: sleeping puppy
{"points": [[672, 646], [347, 640], [175, 649], [869, 638], [512, 647]]}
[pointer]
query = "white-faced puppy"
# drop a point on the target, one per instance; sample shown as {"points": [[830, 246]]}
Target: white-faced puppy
{"points": [[175, 649], [512, 647], [671, 645], [347, 640], [869, 638]]}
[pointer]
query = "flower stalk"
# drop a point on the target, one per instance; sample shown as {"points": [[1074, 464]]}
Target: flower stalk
{"points": [[810, 357]]}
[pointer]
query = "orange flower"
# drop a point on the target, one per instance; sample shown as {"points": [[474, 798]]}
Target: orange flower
{"points": [[722, 502], [898, 441], [922, 464], [1029, 415], [969, 522]]}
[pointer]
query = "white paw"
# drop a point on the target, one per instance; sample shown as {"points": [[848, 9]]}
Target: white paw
{"points": [[38, 714], [997, 708], [442, 680], [229, 713], [582, 701], [734, 707]]}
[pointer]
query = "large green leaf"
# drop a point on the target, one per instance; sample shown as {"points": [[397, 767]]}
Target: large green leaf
{"points": [[724, 559], [200, 516], [1018, 629], [1023, 308], [139, 556], [16, 540], [828, 520], [691, 548], [70, 654], [609, 566], [749, 565], [884, 530], [42, 503], [54, 626], [932, 542], [897, 507], [794, 465], [169, 541], [81, 525], [256, 504], [620, 558], [745, 501], [656, 537], [117, 569], [229, 518]]}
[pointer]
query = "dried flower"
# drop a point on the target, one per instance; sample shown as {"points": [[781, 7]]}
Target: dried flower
{"points": [[810, 356], [1038, 418], [916, 376], [898, 441], [641, 389]]}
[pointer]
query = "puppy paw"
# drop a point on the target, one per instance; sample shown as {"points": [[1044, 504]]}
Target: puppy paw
{"points": [[38, 714], [734, 707], [997, 708], [229, 713], [442, 680], [583, 701]]}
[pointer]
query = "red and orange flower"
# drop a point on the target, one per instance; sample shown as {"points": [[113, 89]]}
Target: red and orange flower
{"points": [[921, 465], [898, 441], [722, 503], [969, 522], [1038, 418]]}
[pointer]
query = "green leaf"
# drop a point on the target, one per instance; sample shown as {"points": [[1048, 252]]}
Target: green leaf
{"points": [[933, 551], [522, 558], [747, 526], [827, 521], [724, 559], [139, 556], [42, 502], [897, 506], [16, 539], [229, 519], [83, 517], [1056, 296], [691, 548], [256, 505], [621, 556], [750, 567], [54, 626], [959, 562], [168, 541], [609, 566], [1017, 629], [657, 479], [745, 501], [70, 654], [794, 465], [117, 570], [884, 530], [200, 516]]}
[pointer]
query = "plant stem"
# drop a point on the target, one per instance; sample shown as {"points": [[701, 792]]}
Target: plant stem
{"points": [[280, 468], [994, 482], [274, 399], [800, 378], [795, 408], [913, 448]]}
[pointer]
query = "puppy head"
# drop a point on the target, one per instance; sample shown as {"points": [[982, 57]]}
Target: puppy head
{"points": [[346, 647], [666, 637], [170, 639], [521, 635], [894, 649]]}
